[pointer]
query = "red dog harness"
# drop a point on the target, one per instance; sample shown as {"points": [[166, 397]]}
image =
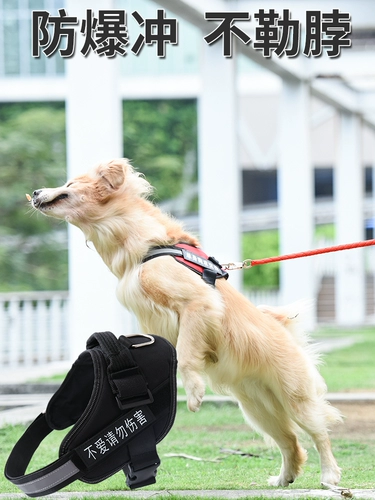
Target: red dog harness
{"points": [[193, 258]]}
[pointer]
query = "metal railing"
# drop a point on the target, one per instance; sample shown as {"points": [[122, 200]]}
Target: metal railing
{"points": [[33, 328], [34, 325]]}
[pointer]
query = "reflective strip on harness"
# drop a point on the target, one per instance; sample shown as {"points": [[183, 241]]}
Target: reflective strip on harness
{"points": [[193, 258], [54, 478]]}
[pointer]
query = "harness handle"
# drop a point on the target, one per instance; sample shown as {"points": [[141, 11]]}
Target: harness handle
{"points": [[127, 382]]}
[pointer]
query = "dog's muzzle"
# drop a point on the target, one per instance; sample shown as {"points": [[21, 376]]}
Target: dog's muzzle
{"points": [[41, 202], [120, 397]]}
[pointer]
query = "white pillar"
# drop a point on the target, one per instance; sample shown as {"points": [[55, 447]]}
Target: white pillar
{"points": [[372, 249], [296, 194], [350, 277], [94, 134], [219, 176]]}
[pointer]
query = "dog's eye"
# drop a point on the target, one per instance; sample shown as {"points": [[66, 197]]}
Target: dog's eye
{"points": [[70, 183]]}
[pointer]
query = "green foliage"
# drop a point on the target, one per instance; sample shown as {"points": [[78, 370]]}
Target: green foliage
{"points": [[161, 138], [258, 245], [325, 231], [33, 253]]}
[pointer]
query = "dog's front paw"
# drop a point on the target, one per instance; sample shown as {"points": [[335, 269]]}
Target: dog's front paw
{"points": [[194, 403], [195, 396]]}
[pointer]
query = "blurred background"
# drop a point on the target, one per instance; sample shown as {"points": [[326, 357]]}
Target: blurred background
{"points": [[257, 155]]}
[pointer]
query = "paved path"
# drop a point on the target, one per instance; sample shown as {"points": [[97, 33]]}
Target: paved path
{"points": [[226, 494], [24, 408]]}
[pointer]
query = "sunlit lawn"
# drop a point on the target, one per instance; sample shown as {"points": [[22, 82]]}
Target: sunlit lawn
{"points": [[216, 428]]}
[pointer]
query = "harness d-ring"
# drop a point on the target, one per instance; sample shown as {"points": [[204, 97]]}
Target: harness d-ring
{"points": [[150, 337]]}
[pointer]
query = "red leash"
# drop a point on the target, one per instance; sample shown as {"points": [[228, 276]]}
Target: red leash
{"points": [[246, 264]]}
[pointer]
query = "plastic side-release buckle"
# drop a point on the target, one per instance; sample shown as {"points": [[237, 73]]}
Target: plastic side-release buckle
{"points": [[130, 388], [141, 477], [134, 401]]}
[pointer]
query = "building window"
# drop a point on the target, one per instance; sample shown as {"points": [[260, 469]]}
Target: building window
{"points": [[323, 182], [259, 186], [15, 39]]}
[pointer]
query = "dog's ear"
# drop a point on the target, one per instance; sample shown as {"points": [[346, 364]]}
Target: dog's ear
{"points": [[113, 173]]}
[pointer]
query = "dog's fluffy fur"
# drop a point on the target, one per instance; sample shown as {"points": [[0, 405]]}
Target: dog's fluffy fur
{"points": [[254, 354]]}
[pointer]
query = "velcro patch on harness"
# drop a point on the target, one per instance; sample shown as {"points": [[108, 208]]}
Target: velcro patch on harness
{"points": [[196, 259], [115, 435]]}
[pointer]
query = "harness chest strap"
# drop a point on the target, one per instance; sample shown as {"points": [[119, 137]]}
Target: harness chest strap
{"points": [[193, 258], [56, 475], [70, 466]]}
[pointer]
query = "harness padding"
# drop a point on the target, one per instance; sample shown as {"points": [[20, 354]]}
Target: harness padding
{"points": [[120, 398]]}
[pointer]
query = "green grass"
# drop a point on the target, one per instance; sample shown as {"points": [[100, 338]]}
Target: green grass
{"points": [[204, 435], [183, 497], [188, 497], [350, 368], [52, 379]]}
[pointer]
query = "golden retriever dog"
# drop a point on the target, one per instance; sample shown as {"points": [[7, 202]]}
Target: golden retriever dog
{"points": [[254, 354]]}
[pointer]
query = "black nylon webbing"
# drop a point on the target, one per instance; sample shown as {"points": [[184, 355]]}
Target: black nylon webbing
{"points": [[117, 353], [126, 379], [144, 460], [25, 448], [44, 481]]}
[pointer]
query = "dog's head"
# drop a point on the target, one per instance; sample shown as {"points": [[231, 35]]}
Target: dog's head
{"points": [[82, 199]]}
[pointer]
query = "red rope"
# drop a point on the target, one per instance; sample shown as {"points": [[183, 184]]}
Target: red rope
{"points": [[318, 251]]}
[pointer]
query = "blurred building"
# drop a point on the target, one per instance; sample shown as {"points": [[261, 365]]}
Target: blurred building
{"points": [[285, 143]]}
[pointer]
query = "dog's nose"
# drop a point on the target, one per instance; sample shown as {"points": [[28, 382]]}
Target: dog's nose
{"points": [[35, 193]]}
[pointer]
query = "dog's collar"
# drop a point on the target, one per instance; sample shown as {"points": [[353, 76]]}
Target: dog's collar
{"points": [[193, 258]]}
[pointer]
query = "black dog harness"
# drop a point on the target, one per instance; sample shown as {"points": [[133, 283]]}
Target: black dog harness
{"points": [[193, 258], [120, 397]]}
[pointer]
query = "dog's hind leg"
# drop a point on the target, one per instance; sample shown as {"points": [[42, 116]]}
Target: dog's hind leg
{"points": [[331, 472], [267, 416], [314, 417]]}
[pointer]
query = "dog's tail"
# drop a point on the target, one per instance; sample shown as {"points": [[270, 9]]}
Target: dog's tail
{"points": [[292, 317]]}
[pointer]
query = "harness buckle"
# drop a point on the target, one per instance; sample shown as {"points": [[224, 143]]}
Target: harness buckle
{"points": [[142, 477], [231, 266], [125, 403]]}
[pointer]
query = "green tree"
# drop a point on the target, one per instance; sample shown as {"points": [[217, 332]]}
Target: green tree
{"points": [[33, 251], [160, 137]]}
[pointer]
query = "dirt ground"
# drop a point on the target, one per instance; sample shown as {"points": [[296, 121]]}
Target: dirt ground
{"points": [[359, 423]]}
